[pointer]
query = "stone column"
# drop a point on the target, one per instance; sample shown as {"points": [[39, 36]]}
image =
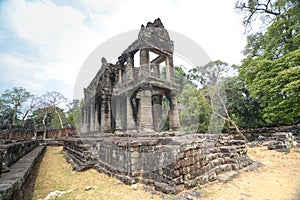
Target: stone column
{"points": [[120, 77], [146, 118], [173, 113], [144, 62], [157, 112], [83, 121], [103, 114], [107, 116], [92, 113], [170, 76], [129, 68], [117, 112], [167, 70], [88, 119], [129, 119], [155, 69], [97, 117], [171, 68]]}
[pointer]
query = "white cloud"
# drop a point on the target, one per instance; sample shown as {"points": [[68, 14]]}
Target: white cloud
{"points": [[64, 35]]}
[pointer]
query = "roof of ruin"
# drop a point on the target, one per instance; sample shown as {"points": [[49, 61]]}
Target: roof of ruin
{"points": [[154, 36]]}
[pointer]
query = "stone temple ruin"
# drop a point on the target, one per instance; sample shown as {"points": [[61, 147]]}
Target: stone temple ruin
{"points": [[124, 97], [122, 122]]}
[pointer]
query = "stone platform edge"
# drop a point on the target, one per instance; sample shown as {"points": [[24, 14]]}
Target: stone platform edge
{"points": [[19, 182]]}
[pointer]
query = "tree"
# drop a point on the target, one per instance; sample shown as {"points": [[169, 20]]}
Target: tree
{"points": [[212, 76], [51, 101], [74, 112], [272, 65], [14, 101], [266, 10], [244, 109], [194, 109]]}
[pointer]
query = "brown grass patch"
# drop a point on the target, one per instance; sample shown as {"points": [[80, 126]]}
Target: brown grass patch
{"points": [[56, 174], [277, 178]]}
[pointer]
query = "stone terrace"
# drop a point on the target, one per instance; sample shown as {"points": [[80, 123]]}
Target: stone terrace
{"points": [[168, 163]]}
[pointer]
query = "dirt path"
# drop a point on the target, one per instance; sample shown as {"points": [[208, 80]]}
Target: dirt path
{"points": [[277, 178]]}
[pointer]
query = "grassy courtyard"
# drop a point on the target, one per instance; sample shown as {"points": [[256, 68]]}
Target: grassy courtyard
{"points": [[277, 178]]}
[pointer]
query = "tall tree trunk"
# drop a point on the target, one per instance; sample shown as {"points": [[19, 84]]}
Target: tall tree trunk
{"points": [[15, 115], [59, 118], [228, 118], [27, 111], [45, 126]]}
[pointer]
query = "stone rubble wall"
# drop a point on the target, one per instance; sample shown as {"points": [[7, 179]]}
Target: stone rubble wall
{"points": [[61, 134], [12, 151], [17, 134], [18, 182], [253, 134], [168, 163], [280, 141]]}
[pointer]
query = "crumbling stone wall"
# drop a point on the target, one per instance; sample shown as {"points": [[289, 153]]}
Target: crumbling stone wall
{"points": [[12, 151], [168, 163], [253, 134], [18, 182], [17, 134], [61, 134]]}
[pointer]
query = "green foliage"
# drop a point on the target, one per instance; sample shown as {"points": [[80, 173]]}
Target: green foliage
{"points": [[55, 123], [194, 109], [13, 104], [265, 10], [272, 67], [244, 109], [74, 113]]}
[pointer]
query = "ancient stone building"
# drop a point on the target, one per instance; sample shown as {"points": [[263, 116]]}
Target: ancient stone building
{"points": [[125, 97], [128, 98]]}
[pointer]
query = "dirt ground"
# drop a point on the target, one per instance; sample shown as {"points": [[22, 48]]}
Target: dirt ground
{"points": [[277, 178]]}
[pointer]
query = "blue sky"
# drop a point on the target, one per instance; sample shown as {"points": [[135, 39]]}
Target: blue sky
{"points": [[43, 44]]}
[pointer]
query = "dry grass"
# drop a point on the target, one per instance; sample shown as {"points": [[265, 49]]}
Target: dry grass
{"points": [[56, 174], [277, 178]]}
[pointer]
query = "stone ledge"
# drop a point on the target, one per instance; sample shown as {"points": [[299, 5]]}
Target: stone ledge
{"points": [[12, 183]]}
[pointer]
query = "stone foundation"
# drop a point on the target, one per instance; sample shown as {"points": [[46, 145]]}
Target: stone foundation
{"points": [[169, 163], [11, 151], [18, 182]]}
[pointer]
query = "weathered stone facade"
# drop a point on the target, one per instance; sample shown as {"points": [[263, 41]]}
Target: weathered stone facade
{"points": [[122, 122], [123, 97], [168, 163]]}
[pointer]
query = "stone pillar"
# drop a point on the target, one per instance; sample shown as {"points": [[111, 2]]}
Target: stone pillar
{"points": [[144, 62], [168, 79], [92, 113], [97, 117], [157, 112], [146, 118], [88, 119], [117, 114], [129, 68], [105, 115], [120, 77], [155, 70], [170, 76], [171, 68], [129, 119], [173, 113], [83, 121]]}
